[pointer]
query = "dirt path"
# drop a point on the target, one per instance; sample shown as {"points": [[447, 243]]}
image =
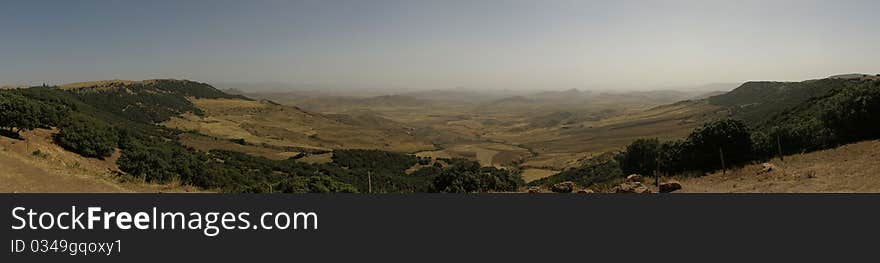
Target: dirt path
{"points": [[849, 168]]}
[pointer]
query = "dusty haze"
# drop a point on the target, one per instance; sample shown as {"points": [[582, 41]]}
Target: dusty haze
{"points": [[439, 44]]}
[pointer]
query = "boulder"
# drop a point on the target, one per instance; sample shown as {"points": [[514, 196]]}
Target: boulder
{"points": [[534, 190], [632, 187], [586, 191], [634, 178], [563, 187], [669, 187]]}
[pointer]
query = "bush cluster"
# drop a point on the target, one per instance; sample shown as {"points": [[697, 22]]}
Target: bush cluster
{"points": [[848, 113]]}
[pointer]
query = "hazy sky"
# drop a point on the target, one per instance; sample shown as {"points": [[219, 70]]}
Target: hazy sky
{"points": [[438, 44]]}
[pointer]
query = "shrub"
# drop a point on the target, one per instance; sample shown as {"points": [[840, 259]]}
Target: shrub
{"points": [[674, 157], [87, 136], [465, 176], [706, 144], [315, 184], [153, 163], [702, 149], [600, 170], [374, 160], [20, 113], [39, 153], [853, 114], [640, 157]]}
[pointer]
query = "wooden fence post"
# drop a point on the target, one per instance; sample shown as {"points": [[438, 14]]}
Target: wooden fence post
{"points": [[723, 168], [657, 172], [779, 148]]}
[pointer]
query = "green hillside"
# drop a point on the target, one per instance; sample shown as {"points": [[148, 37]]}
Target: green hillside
{"points": [[95, 118], [149, 101], [765, 119], [756, 102]]}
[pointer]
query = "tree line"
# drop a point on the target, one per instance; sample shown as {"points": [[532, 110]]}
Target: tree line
{"points": [[843, 115]]}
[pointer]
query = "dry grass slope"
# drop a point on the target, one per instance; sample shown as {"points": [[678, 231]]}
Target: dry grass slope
{"points": [[37, 165], [849, 168], [264, 122]]}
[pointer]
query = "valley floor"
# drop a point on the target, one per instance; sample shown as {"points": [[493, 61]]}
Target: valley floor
{"points": [[849, 168]]}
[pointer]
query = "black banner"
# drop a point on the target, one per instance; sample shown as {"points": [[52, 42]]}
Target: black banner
{"points": [[439, 227]]}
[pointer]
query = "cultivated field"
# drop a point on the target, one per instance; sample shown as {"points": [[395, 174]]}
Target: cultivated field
{"points": [[263, 122], [550, 130]]}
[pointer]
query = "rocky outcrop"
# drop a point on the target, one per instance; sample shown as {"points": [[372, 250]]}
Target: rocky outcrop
{"points": [[766, 168], [632, 187], [563, 187], [669, 187], [634, 178], [585, 191]]}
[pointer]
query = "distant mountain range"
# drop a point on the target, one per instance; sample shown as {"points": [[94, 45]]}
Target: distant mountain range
{"points": [[853, 76]]}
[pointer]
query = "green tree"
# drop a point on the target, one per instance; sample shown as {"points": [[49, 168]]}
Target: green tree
{"points": [[18, 113], [854, 114], [640, 157], [314, 184], [674, 157], [87, 136], [21, 113], [728, 137], [465, 176]]}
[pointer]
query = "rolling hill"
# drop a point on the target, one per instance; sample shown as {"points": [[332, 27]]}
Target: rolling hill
{"points": [[191, 135], [264, 122], [789, 118], [756, 101], [182, 132]]}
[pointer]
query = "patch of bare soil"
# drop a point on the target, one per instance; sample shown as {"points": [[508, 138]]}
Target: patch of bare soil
{"points": [[36, 165], [849, 168], [530, 175]]}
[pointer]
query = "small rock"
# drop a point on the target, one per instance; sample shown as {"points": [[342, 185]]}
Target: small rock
{"points": [[586, 191], [634, 177], [766, 168], [563, 187], [534, 190], [632, 187], [669, 187]]}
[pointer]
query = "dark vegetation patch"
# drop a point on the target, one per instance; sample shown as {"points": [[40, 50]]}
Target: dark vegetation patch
{"points": [[466, 176], [150, 101], [602, 169], [757, 102], [830, 112], [87, 136]]}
